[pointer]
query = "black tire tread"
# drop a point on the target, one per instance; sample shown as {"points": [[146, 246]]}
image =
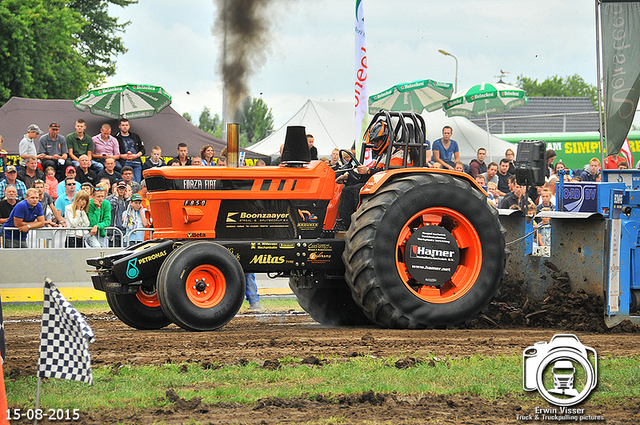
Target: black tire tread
{"points": [[171, 292], [359, 250], [135, 314], [328, 302]]}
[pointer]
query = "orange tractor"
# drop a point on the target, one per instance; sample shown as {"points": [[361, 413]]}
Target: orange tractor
{"points": [[424, 248]]}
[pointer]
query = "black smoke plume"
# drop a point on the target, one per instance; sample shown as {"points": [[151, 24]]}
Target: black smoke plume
{"points": [[244, 26]]}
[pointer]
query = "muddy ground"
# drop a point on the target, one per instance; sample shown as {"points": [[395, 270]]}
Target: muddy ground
{"points": [[512, 322]]}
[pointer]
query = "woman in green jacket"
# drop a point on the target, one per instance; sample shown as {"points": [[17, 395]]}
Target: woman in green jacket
{"points": [[99, 218]]}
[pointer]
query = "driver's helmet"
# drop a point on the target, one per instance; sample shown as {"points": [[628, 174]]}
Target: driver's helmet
{"points": [[379, 135]]}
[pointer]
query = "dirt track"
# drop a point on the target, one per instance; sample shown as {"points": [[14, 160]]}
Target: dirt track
{"points": [[271, 336]]}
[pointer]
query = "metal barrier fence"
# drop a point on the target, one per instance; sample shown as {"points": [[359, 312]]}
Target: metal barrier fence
{"points": [[56, 237]]}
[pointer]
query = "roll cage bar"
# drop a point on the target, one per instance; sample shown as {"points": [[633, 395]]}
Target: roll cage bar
{"points": [[408, 132]]}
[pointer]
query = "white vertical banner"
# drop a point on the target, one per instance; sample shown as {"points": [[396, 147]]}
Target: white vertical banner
{"points": [[361, 97]]}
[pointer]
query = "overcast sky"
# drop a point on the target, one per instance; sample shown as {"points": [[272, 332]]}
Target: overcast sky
{"points": [[311, 52]]}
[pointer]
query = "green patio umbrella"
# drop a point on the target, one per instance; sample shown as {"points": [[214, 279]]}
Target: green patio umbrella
{"points": [[485, 99], [412, 97], [126, 101]]}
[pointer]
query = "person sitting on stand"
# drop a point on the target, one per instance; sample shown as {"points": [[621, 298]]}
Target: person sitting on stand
{"points": [[207, 154], [76, 214], [26, 215]]}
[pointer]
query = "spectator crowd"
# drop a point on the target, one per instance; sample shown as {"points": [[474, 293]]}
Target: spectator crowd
{"points": [[92, 184]]}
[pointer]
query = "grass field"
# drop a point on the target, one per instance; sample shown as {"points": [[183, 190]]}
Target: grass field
{"points": [[144, 387], [134, 387]]}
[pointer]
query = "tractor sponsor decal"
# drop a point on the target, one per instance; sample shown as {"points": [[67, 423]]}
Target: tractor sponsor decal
{"points": [[132, 269], [307, 216], [267, 259], [319, 257], [196, 184], [232, 251], [264, 245], [152, 257], [431, 255], [564, 372], [309, 220], [243, 219], [196, 235], [319, 247], [580, 197], [258, 219]]}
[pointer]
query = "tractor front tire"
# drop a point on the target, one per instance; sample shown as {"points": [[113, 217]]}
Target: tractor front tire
{"points": [[201, 286], [140, 311], [328, 301], [424, 251]]}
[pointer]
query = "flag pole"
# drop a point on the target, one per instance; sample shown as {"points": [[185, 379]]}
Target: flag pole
{"points": [[361, 73], [35, 419], [600, 85], [3, 399]]}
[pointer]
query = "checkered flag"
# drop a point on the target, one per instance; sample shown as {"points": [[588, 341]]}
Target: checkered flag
{"points": [[64, 339]]}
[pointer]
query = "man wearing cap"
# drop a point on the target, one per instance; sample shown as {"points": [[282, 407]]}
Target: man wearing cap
{"points": [[10, 178], [27, 145], [26, 215], [88, 187], [54, 147], [135, 218], [79, 143], [119, 204], [70, 172]]}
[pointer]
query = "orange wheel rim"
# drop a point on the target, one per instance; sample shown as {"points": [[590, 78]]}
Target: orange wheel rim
{"points": [[206, 286], [470, 260], [150, 299]]}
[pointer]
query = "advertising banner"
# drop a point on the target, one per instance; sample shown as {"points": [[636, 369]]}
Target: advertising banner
{"points": [[621, 57]]}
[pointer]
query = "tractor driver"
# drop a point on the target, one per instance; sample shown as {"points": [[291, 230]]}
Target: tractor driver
{"points": [[379, 135]]}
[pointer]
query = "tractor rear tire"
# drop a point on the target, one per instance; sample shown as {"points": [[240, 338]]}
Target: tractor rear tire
{"points": [[201, 286], [393, 221], [140, 311], [328, 301]]}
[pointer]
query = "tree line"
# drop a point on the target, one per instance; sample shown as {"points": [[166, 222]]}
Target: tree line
{"points": [[56, 49], [256, 121]]}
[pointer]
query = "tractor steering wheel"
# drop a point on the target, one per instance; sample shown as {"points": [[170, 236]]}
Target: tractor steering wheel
{"points": [[348, 166]]}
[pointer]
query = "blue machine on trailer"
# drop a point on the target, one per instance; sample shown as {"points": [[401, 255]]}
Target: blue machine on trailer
{"points": [[595, 237], [617, 199]]}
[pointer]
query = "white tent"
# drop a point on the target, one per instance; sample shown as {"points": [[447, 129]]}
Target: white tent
{"points": [[332, 124]]}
